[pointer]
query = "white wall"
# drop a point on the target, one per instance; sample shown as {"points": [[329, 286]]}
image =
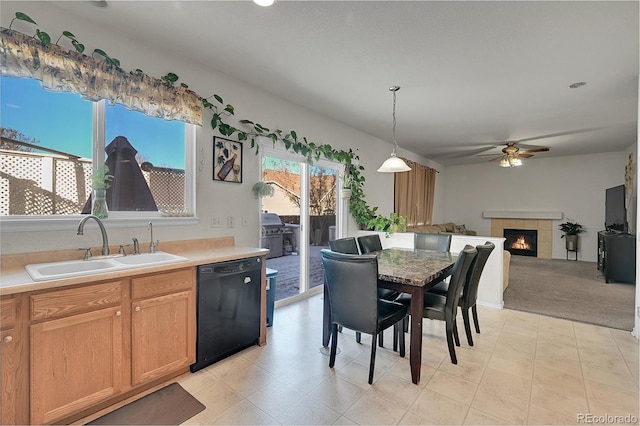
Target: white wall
{"points": [[574, 185], [215, 199]]}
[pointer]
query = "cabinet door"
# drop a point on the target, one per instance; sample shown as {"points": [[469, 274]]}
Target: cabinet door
{"points": [[9, 358], [75, 363], [163, 335]]}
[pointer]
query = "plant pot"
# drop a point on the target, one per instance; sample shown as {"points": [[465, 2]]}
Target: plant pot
{"points": [[99, 204], [345, 193], [571, 242]]}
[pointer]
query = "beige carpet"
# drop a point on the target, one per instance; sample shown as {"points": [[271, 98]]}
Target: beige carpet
{"points": [[570, 290]]}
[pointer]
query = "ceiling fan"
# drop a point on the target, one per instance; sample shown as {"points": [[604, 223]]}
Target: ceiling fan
{"points": [[512, 154]]}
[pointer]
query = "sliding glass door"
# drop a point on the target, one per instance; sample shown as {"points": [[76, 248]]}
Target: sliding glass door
{"points": [[305, 201]]}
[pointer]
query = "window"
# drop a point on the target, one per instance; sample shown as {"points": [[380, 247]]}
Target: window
{"points": [[52, 142]]}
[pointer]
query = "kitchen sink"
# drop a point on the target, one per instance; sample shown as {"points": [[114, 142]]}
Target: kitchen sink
{"points": [[74, 268], [149, 259]]}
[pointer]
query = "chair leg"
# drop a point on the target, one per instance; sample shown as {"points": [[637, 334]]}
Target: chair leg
{"points": [[381, 339], [467, 326], [399, 333], [340, 328], [452, 350], [474, 311], [455, 332], [396, 334], [334, 345], [405, 324], [372, 363], [358, 336]]}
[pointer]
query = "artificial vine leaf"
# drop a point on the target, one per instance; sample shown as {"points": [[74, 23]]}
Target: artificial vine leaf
{"points": [[294, 135], [229, 109], [242, 136], [207, 104], [184, 85], [43, 37], [214, 121], [24, 17], [219, 99], [79, 46], [246, 122], [68, 34]]}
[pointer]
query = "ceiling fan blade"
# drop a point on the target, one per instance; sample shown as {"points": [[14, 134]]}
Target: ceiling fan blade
{"points": [[541, 149], [553, 135], [467, 153], [524, 155], [497, 158]]}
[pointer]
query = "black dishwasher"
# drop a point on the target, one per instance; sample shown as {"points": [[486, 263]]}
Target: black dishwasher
{"points": [[228, 309]]}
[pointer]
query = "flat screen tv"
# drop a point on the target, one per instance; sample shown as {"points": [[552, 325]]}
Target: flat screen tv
{"points": [[615, 210]]}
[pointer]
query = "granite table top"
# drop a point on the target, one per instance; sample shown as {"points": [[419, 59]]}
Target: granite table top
{"points": [[414, 267]]}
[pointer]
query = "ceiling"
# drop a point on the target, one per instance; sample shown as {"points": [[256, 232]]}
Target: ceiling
{"points": [[472, 74]]}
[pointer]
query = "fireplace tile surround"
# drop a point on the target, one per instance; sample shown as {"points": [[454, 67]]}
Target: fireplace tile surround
{"points": [[543, 226]]}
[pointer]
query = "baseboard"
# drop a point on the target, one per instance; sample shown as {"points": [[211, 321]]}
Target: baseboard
{"points": [[490, 304]]}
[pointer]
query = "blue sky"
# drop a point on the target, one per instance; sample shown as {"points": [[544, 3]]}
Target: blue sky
{"points": [[63, 121]]}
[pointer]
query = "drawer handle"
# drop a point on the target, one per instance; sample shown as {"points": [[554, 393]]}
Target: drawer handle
{"points": [[8, 339], [137, 309], [118, 313]]}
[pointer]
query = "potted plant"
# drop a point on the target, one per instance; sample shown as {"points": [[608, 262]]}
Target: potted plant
{"points": [[100, 181], [393, 223], [571, 231], [262, 189]]}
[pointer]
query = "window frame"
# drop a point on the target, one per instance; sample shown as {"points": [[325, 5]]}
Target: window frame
{"points": [[116, 219]]}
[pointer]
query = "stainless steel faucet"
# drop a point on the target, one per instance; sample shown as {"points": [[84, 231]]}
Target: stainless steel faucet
{"points": [[105, 241], [136, 246], [153, 244]]}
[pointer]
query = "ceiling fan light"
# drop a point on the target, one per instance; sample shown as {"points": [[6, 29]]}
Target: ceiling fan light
{"points": [[504, 161], [515, 162], [264, 3], [394, 164]]}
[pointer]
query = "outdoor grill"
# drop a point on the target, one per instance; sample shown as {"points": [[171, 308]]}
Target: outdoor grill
{"points": [[273, 234]]}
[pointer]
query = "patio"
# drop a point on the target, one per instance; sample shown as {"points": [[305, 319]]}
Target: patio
{"points": [[288, 267]]}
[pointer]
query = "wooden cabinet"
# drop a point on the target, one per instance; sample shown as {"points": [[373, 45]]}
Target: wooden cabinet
{"points": [[76, 349], [91, 346], [162, 325], [12, 359]]}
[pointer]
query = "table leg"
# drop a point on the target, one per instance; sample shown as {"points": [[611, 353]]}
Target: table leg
{"points": [[415, 354]]}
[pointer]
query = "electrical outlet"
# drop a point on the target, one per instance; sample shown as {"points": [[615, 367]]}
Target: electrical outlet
{"points": [[245, 222], [230, 223], [216, 222]]}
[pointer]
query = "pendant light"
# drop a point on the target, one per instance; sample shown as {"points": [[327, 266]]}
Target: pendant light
{"points": [[394, 164]]}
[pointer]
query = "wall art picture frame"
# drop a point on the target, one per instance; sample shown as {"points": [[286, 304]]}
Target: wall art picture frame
{"points": [[227, 160]]}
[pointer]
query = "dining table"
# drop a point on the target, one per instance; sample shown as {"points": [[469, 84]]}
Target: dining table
{"points": [[411, 271]]}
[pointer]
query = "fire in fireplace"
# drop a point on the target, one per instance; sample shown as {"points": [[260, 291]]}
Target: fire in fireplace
{"points": [[521, 242]]}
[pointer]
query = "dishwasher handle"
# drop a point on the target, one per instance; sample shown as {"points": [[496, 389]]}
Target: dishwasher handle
{"points": [[232, 267]]}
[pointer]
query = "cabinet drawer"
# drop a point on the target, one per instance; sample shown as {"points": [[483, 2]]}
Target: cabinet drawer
{"points": [[158, 284], [7, 312], [61, 303]]}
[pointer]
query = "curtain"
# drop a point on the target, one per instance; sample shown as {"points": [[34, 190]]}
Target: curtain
{"points": [[65, 70], [414, 193]]}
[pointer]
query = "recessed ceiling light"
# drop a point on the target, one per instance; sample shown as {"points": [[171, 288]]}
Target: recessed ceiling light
{"points": [[264, 2], [578, 84]]}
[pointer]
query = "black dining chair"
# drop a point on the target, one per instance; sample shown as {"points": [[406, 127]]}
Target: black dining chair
{"points": [[438, 242], [368, 244], [347, 245], [470, 289], [445, 308], [352, 281]]}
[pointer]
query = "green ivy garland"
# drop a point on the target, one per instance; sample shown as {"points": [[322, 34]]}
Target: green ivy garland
{"points": [[362, 213]]}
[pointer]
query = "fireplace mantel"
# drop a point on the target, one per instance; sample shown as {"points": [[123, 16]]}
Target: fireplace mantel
{"points": [[506, 214]]}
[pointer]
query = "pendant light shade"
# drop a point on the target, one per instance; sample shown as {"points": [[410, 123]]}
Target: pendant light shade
{"points": [[394, 164], [264, 3]]}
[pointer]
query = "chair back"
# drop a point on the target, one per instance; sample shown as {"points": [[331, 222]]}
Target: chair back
{"points": [[369, 243], [346, 245], [458, 278], [352, 282], [438, 242], [470, 292]]}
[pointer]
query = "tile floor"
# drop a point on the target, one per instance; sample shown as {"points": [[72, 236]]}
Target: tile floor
{"points": [[523, 369]]}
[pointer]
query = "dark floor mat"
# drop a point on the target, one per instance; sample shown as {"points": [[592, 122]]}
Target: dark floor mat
{"points": [[171, 405]]}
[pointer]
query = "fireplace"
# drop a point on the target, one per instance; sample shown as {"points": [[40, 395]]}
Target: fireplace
{"points": [[521, 242]]}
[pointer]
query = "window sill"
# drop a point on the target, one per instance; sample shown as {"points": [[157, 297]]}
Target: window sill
{"points": [[48, 223]]}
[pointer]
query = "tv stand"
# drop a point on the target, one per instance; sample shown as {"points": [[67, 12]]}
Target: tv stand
{"points": [[617, 256]]}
